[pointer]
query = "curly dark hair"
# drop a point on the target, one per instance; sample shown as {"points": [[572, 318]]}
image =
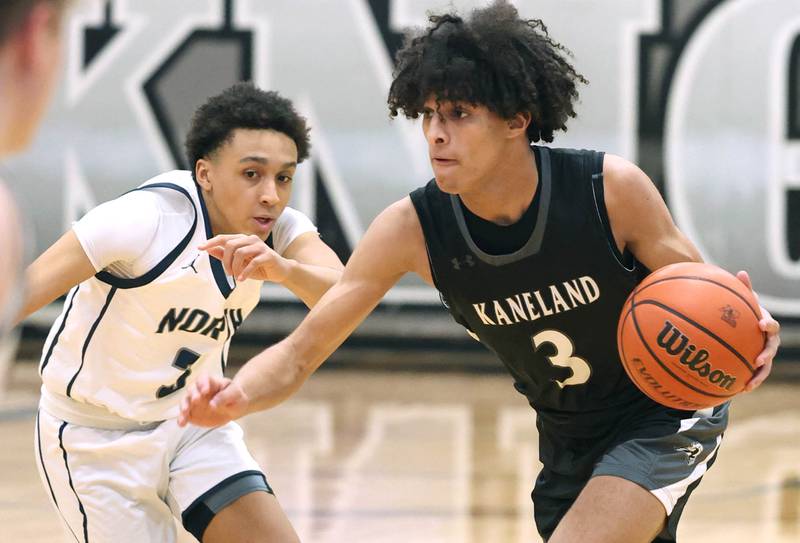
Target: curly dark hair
{"points": [[495, 59], [243, 106]]}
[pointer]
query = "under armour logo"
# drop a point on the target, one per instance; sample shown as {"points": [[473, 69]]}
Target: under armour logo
{"points": [[466, 261], [191, 264], [692, 452], [729, 315]]}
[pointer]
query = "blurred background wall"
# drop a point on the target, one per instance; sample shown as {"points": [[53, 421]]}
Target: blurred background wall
{"points": [[703, 94]]}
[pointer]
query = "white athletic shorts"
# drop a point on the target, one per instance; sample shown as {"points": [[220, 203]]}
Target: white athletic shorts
{"points": [[125, 486]]}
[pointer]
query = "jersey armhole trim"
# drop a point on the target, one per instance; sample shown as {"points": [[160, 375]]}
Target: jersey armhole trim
{"points": [[158, 269], [624, 259], [420, 206], [417, 198]]}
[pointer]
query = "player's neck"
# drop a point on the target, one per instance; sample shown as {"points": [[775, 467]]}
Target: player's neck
{"points": [[504, 198], [215, 216]]}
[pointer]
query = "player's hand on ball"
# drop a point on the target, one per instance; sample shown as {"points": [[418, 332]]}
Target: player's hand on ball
{"points": [[247, 257], [772, 329], [212, 401]]}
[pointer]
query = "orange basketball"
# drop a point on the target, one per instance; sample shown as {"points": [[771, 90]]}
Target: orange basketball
{"points": [[688, 335]]}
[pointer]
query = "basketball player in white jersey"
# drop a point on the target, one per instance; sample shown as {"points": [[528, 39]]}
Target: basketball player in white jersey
{"points": [[148, 309], [30, 49]]}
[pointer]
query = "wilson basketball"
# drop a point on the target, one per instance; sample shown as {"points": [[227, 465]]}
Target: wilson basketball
{"points": [[688, 335]]}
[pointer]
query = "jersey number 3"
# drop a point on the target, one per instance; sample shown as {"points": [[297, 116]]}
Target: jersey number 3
{"points": [[563, 356], [183, 361]]}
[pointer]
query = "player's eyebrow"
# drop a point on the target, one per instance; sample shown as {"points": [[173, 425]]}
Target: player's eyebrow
{"points": [[265, 161], [259, 159]]}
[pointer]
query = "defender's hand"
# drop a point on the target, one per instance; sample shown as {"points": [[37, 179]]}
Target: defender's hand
{"points": [[212, 401], [772, 328], [247, 257]]}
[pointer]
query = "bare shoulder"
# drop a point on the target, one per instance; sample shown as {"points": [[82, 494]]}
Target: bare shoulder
{"points": [[621, 175], [399, 219], [397, 229], [402, 211], [632, 201], [627, 188]]}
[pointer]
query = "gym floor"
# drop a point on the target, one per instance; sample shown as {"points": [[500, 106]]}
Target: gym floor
{"points": [[390, 456]]}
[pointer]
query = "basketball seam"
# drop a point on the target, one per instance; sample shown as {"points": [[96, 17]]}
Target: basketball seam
{"points": [[630, 373], [697, 278]]}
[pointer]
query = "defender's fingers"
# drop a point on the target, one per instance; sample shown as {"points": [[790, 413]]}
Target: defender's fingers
{"points": [[217, 241], [253, 266], [242, 257], [232, 248], [224, 398], [216, 252], [203, 385], [184, 413], [194, 396]]}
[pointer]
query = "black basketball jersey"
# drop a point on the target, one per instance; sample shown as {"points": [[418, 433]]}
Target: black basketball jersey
{"points": [[550, 309]]}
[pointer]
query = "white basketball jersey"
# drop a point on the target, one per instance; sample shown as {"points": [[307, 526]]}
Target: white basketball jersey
{"points": [[128, 346]]}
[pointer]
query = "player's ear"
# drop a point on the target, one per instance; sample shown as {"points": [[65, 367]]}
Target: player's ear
{"points": [[201, 169], [518, 124]]}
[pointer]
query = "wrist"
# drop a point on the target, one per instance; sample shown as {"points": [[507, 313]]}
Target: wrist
{"points": [[288, 267]]}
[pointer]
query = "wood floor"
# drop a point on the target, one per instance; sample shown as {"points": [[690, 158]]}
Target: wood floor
{"points": [[438, 458]]}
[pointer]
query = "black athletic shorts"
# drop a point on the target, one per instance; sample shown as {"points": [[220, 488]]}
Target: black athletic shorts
{"points": [[663, 450]]}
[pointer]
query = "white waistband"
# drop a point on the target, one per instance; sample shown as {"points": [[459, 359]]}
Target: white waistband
{"points": [[84, 414]]}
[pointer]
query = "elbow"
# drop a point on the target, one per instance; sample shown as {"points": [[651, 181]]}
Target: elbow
{"points": [[299, 369]]}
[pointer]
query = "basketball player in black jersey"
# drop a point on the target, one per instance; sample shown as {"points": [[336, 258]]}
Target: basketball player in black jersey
{"points": [[534, 250]]}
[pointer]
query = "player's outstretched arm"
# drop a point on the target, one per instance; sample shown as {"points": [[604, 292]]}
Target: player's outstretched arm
{"points": [[392, 246], [57, 270], [308, 267], [641, 222]]}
